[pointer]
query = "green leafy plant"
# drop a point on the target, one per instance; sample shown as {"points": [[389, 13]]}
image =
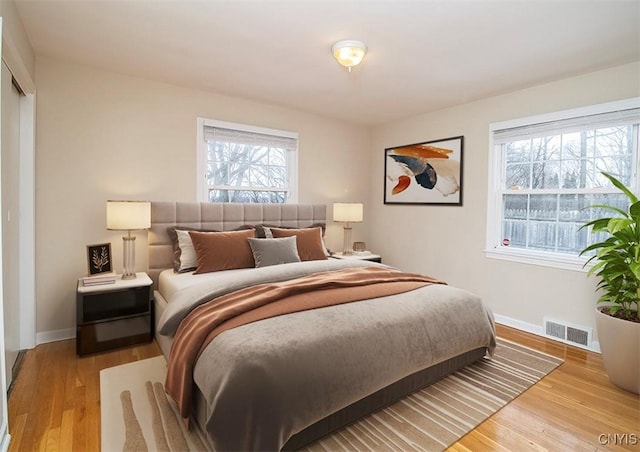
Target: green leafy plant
{"points": [[618, 257]]}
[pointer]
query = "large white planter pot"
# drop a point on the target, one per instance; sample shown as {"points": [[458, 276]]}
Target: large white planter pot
{"points": [[620, 346]]}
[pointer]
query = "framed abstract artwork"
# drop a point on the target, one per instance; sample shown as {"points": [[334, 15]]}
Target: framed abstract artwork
{"points": [[424, 173]]}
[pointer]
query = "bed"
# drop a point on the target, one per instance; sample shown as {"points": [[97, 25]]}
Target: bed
{"points": [[283, 381]]}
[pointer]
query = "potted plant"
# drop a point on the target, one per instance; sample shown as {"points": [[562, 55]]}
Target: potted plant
{"points": [[618, 268]]}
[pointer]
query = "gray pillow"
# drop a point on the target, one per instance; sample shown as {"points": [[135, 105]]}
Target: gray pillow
{"points": [[268, 252]]}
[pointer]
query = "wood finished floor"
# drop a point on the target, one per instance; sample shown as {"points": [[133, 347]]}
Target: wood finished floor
{"points": [[55, 403]]}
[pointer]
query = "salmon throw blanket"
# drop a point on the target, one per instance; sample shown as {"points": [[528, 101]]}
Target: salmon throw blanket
{"points": [[263, 301]]}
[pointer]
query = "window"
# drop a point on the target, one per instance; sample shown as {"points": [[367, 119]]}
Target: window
{"points": [[545, 170], [240, 163]]}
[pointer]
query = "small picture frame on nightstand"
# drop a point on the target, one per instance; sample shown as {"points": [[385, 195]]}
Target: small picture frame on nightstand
{"points": [[99, 258]]}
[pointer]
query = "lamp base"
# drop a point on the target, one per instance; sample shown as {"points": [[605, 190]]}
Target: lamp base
{"points": [[347, 250], [129, 257]]}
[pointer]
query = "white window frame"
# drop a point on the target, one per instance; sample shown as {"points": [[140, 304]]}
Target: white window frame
{"points": [[202, 188], [494, 249]]}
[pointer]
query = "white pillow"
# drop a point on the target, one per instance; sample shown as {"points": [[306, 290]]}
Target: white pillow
{"points": [[188, 258]]}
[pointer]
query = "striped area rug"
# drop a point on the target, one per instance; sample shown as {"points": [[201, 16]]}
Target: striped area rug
{"points": [[136, 415]]}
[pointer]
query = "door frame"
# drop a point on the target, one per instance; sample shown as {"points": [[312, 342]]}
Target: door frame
{"points": [[27, 273]]}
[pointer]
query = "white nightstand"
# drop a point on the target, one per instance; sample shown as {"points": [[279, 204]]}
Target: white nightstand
{"points": [[359, 256]]}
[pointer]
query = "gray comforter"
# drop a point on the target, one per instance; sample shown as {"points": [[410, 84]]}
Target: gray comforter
{"points": [[265, 381]]}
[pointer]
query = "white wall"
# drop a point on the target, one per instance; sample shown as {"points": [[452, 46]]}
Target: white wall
{"points": [[103, 135], [16, 48], [448, 242], [107, 136]]}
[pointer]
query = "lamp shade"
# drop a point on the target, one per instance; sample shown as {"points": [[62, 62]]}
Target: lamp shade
{"points": [[128, 215], [349, 212]]}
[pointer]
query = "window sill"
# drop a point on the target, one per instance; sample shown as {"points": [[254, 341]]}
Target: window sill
{"points": [[543, 259]]}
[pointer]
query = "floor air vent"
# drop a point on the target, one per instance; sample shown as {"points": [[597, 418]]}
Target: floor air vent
{"points": [[571, 334]]}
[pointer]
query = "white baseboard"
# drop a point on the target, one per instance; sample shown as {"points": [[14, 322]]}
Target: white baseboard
{"points": [[538, 330], [69, 333], [55, 335]]}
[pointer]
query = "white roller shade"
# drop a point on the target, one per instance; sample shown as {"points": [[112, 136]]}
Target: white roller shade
{"points": [[217, 134], [597, 121]]}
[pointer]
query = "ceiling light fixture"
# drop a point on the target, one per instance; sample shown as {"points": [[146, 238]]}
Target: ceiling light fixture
{"points": [[349, 53]]}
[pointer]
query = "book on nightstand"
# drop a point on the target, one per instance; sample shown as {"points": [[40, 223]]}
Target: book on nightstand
{"points": [[106, 278]]}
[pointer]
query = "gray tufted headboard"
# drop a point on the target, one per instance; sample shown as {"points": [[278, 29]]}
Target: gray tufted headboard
{"points": [[219, 216]]}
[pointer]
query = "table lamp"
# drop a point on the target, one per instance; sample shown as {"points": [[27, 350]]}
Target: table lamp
{"points": [[128, 216], [347, 212]]}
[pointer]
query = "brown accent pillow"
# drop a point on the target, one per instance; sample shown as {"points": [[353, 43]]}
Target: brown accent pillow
{"points": [[309, 241], [261, 234], [222, 250], [179, 266]]}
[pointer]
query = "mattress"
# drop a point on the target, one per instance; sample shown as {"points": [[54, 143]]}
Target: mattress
{"points": [[170, 282]]}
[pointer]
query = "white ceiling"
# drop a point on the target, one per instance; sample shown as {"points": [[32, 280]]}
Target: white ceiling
{"points": [[423, 55]]}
